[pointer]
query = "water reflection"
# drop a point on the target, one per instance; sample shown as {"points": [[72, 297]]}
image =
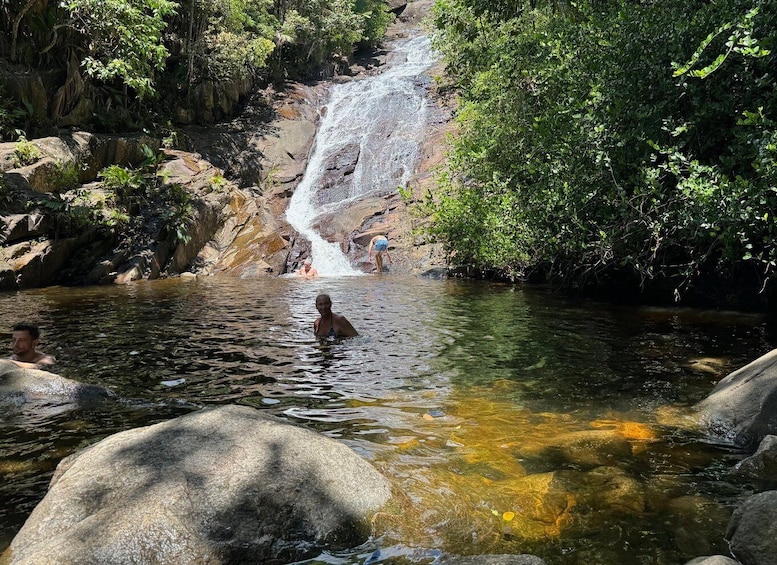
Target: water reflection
{"points": [[513, 420]]}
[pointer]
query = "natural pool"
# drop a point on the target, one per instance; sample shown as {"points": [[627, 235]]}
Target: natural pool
{"points": [[515, 420]]}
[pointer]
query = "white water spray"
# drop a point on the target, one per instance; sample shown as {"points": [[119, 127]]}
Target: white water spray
{"points": [[380, 122]]}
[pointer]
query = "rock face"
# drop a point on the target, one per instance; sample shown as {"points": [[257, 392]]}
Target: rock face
{"points": [[742, 408], [225, 485]]}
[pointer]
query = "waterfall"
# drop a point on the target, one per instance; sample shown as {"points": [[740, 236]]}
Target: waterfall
{"points": [[370, 135]]}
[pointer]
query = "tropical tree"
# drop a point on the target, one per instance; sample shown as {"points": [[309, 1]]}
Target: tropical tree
{"points": [[585, 155]]}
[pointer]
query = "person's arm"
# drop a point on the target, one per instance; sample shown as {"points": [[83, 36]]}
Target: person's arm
{"points": [[315, 325], [39, 364], [369, 249], [388, 256], [345, 328]]}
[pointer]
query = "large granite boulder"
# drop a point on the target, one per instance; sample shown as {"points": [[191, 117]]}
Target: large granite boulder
{"points": [[223, 485], [742, 408]]}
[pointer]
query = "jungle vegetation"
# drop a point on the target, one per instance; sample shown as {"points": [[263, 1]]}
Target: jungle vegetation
{"points": [[133, 58], [611, 140]]}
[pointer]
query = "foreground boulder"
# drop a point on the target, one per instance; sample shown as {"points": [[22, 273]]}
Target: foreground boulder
{"points": [[742, 408], [224, 485]]}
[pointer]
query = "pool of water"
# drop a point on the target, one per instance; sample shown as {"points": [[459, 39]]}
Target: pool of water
{"points": [[513, 419]]}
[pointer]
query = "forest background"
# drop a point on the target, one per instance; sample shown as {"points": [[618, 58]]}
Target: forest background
{"points": [[600, 144]]}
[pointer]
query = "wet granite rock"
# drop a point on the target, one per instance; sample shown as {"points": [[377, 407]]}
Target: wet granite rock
{"points": [[20, 385], [742, 407]]}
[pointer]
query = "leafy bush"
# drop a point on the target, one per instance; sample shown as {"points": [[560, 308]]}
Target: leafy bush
{"points": [[25, 153], [582, 155], [141, 193]]}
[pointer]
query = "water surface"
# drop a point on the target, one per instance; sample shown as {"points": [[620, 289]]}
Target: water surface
{"points": [[514, 420]]}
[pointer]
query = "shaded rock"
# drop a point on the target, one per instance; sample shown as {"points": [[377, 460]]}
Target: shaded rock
{"points": [[19, 227], [88, 153], [750, 532], [742, 408], [225, 485], [33, 264], [762, 464]]}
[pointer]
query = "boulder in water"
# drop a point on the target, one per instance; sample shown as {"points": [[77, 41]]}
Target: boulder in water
{"points": [[23, 385], [742, 408], [223, 485]]}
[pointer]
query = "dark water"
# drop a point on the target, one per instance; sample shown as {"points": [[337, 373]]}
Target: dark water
{"points": [[514, 420]]}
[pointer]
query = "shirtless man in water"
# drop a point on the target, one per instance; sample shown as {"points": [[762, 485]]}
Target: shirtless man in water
{"points": [[308, 271], [25, 339], [330, 324]]}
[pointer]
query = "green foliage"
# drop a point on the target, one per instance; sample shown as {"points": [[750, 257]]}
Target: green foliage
{"points": [[11, 118], [218, 183], [581, 155], [142, 193], [377, 18], [66, 177], [25, 152], [124, 39], [740, 41], [405, 193], [179, 212]]}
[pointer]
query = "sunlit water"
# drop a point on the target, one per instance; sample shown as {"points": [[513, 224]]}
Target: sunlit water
{"points": [[460, 393]]}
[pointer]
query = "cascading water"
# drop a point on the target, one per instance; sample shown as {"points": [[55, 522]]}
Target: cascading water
{"points": [[375, 126]]}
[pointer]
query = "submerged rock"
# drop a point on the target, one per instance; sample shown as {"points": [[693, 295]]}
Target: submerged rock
{"points": [[224, 485], [520, 559], [712, 560]]}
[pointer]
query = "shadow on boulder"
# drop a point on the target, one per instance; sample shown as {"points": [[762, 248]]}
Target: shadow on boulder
{"points": [[224, 485]]}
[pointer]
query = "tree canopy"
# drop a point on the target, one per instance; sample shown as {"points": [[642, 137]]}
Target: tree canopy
{"points": [[126, 53], [603, 139]]}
